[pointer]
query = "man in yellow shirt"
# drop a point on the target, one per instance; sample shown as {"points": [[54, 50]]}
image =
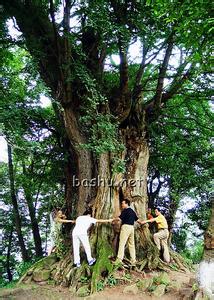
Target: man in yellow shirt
{"points": [[161, 237]]}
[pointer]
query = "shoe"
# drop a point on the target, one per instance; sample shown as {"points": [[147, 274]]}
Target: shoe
{"points": [[92, 262], [118, 263], [78, 265], [133, 264]]}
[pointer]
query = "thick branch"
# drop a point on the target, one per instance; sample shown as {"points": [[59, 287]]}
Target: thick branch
{"points": [[123, 68], [68, 52], [162, 73], [175, 87], [90, 46], [137, 87], [144, 63], [66, 19], [152, 194]]}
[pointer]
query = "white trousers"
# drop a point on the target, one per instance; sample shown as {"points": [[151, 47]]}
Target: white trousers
{"points": [[83, 238]]}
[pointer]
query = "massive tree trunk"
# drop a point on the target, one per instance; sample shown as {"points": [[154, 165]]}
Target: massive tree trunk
{"points": [[83, 159], [112, 188], [17, 217]]}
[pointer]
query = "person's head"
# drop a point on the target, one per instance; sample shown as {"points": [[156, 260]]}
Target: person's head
{"points": [[87, 212], [149, 210], [125, 203], [157, 212], [59, 214]]}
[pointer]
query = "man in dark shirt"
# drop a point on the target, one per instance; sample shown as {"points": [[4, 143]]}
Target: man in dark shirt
{"points": [[128, 217]]}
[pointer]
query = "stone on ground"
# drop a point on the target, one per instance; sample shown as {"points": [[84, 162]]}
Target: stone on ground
{"points": [[41, 275], [131, 289], [159, 291]]}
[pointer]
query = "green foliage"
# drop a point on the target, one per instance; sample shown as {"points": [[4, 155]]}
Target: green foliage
{"points": [[101, 128], [118, 165], [183, 152], [201, 212], [84, 279], [7, 285], [37, 157], [128, 276], [195, 253], [195, 287], [111, 281], [61, 248], [152, 288], [100, 285], [18, 271], [103, 134], [192, 230], [162, 278], [179, 239], [22, 267], [174, 267]]}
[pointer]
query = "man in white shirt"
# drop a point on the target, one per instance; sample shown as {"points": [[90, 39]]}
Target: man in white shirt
{"points": [[80, 234]]}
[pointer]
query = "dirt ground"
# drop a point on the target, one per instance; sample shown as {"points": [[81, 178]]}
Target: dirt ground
{"points": [[47, 292]]}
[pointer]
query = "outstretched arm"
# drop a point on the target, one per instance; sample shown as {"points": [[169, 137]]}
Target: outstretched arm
{"points": [[139, 221], [104, 221], [64, 221], [148, 221], [116, 219]]}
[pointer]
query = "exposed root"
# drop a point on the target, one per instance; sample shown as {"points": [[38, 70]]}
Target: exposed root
{"points": [[89, 279], [152, 261], [143, 263], [179, 261]]}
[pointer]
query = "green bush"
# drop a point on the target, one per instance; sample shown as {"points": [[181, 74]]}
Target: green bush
{"points": [[195, 253], [22, 267], [7, 285], [100, 285], [112, 281]]}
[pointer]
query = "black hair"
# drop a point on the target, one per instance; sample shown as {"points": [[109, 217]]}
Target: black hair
{"points": [[88, 211], [127, 201], [156, 208]]}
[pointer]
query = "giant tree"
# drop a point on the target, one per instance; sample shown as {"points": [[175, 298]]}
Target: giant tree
{"points": [[105, 108]]}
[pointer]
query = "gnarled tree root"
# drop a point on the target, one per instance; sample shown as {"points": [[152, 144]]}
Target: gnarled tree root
{"points": [[94, 278]]}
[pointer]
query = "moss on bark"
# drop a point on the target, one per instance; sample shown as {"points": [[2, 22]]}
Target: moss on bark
{"points": [[103, 264]]}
